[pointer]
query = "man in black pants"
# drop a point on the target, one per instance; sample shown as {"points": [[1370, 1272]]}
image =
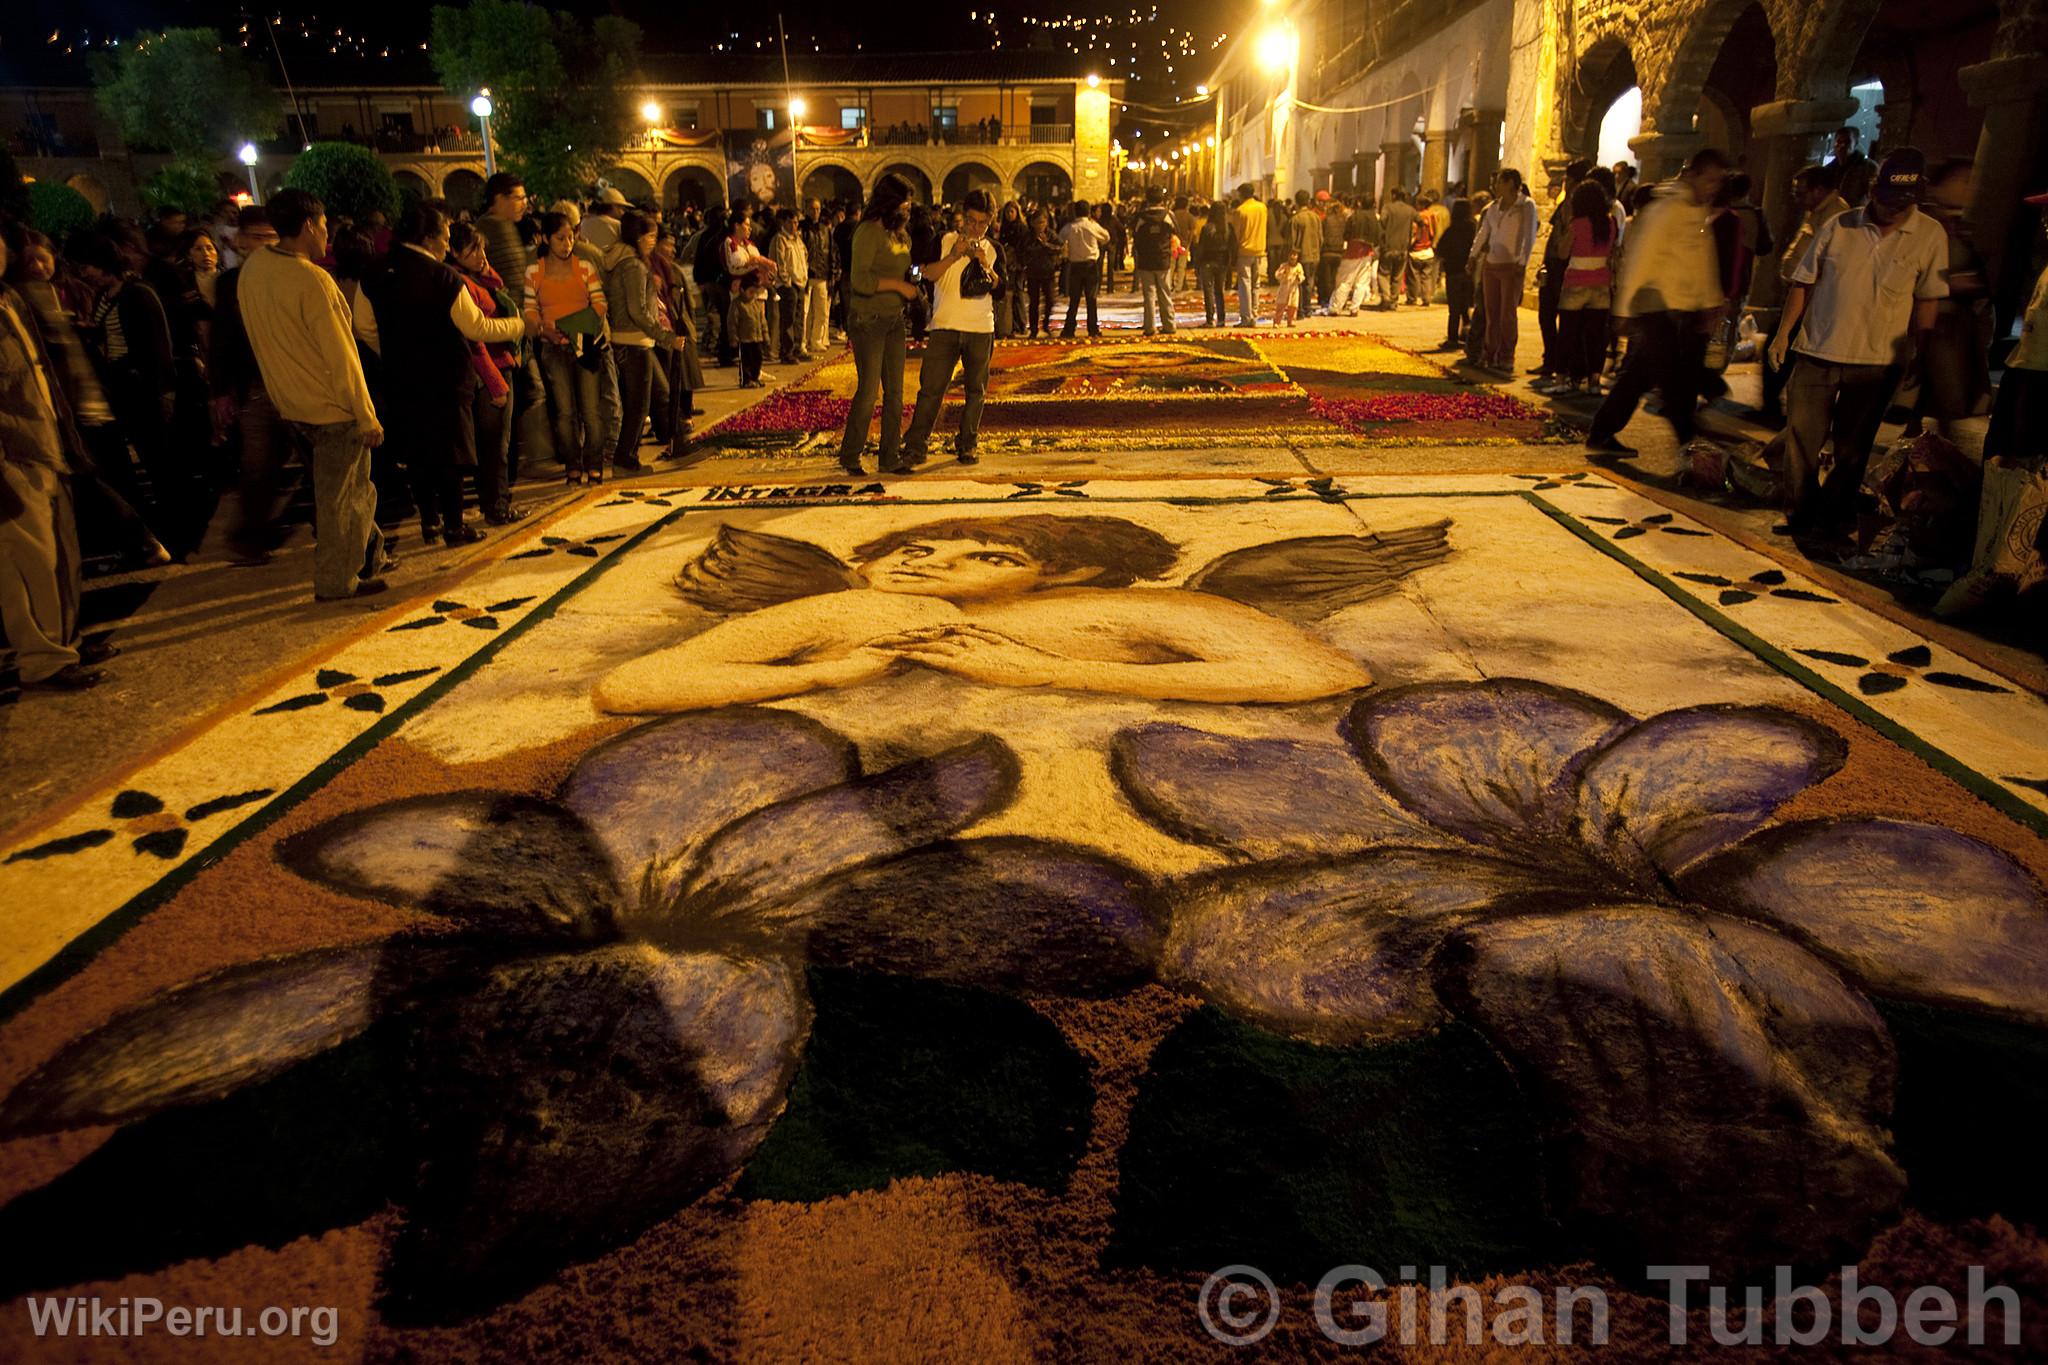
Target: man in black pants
{"points": [[1669, 301]]}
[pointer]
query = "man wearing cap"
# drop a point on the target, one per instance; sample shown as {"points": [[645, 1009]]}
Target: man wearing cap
{"points": [[1860, 300], [601, 227]]}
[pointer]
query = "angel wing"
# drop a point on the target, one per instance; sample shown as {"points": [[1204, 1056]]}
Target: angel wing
{"points": [[1310, 577], [746, 570]]}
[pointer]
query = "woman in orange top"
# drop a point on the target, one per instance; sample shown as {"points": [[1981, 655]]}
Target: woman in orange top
{"points": [[559, 286]]}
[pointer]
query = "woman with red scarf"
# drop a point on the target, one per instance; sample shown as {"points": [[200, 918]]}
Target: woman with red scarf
{"points": [[484, 429]]}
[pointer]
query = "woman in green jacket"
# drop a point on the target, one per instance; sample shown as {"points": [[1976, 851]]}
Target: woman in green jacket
{"points": [[877, 287]]}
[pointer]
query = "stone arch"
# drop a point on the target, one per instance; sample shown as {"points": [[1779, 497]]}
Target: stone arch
{"points": [[94, 190], [693, 183], [1045, 181], [919, 179], [629, 182], [412, 185], [1671, 97], [1822, 69], [968, 174], [1604, 73], [830, 181], [463, 188]]}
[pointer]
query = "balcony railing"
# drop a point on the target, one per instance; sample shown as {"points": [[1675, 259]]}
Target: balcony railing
{"points": [[1042, 133]]}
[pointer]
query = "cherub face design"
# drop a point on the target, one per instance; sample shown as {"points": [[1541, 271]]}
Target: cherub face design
{"points": [[957, 569]]}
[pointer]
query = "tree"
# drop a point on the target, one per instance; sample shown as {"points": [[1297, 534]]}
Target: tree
{"points": [[58, 210], [188, 184], [186, 92], [563, 92], [351, 181]]}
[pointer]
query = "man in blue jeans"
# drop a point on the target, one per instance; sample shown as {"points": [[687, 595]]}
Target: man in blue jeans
{"points": [[1250, 217], [1084, 239], [963, 330]]}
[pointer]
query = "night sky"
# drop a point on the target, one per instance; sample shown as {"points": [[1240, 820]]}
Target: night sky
{"points": [[379, 39]]}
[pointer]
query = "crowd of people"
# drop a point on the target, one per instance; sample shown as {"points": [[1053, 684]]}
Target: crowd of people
{"points": [[416, 369]]}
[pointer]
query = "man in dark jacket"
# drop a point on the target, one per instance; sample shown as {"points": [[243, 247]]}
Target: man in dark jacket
{"points": [[822, 251], [424, 319], [708, 270], [1152, 244], [1334, 218]]}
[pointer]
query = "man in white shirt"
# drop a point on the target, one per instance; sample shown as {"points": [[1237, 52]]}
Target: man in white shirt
{"points": [[963, 331], [1084, 239], [1861, 298], [600, 227], [300, 331], [1500, 258], [1668, 301]]}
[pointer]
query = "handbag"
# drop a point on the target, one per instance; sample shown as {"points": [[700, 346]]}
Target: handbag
{"points": [[976, 280]]}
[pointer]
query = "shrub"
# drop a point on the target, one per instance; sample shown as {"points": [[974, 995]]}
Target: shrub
{"points": [[189, 185], [350, 180], [58, 210]]}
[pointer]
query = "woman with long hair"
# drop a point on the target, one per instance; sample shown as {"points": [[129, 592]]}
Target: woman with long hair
{"points": [[1011, 235], [639, 337], [1588, 294], [485, 429], [877, 287], [563, 287]]}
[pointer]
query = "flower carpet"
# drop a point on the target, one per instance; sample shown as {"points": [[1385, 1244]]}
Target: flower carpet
{"points": [[869, 921], [1179, 392]]}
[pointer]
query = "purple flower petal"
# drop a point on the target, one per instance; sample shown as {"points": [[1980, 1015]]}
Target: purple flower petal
{"points": [[1336, 950], [773, 855], [1912, 910], [1492, 761], [572, 1100], [654, 794], [1688, 783], [1007, 914], [509, 864], [234, 1028], [1717, 1094], [1265, 797]]}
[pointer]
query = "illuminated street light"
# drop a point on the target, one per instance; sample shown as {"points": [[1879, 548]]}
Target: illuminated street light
{"points": [[797, 109], [651, 112], [248, 155], [1093, 80], [1276, 49], [482, 107], [1201, 90]]}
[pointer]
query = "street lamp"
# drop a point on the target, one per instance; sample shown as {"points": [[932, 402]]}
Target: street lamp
{"points": [[651, 112], [249, 155], [1275, 49], [482, 107]]}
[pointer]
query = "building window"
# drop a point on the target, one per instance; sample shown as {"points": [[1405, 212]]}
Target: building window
{"points": [[764, 119], [684, 116], [851, 116], [945, 116]]}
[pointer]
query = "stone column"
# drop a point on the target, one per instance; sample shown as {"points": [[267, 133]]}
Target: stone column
{"points": [[1784, 138], [1663, 155], [2013, 93], [1436, 158], [1394, 165], [1487, 126]]}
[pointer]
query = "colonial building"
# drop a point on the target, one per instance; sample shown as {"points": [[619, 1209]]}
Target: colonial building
{"points": [[1013, 122], [1422, 93]]}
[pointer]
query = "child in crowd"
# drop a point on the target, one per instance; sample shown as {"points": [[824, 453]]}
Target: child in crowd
{"points": [[749, 324], [1287, 280]]}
